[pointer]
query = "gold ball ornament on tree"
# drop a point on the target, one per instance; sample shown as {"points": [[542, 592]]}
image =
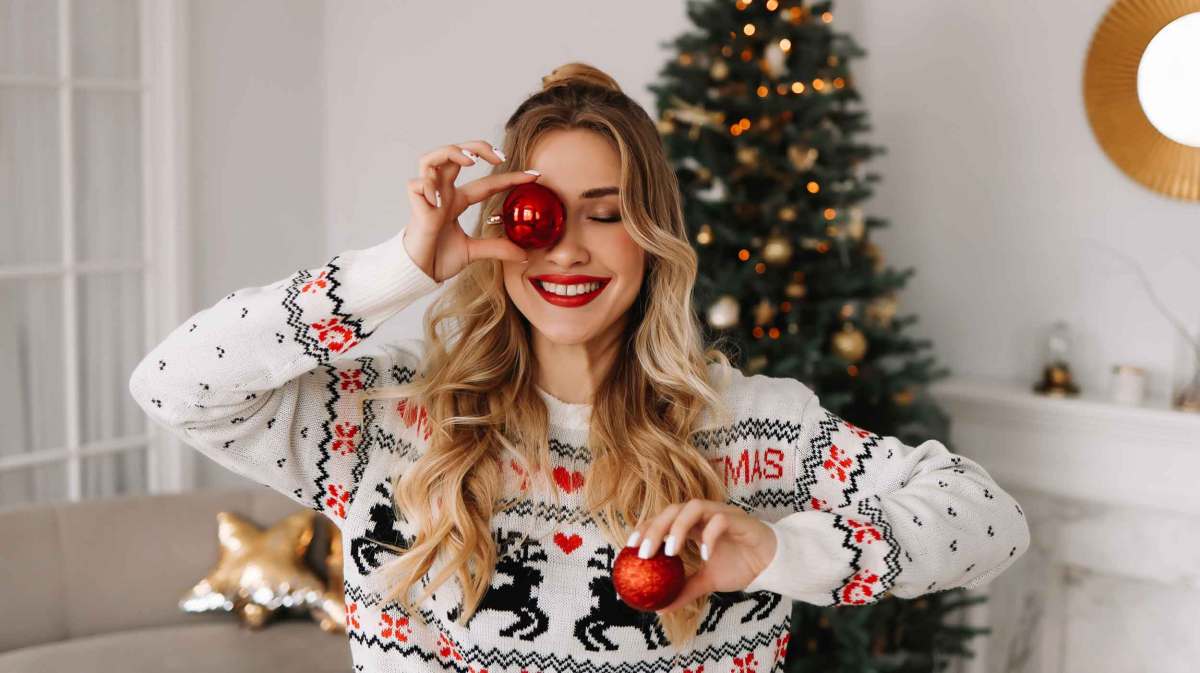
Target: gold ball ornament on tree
{"points": [[802, 158], [719, 70], [259, 572], [857, 226], [849, 343], [882, 310], [774, 61], [778, 249], [904, 397], [764, 312], [795, 290], [723, 313]]}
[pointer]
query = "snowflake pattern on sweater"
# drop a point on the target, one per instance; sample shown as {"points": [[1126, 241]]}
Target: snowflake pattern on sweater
{"points": [[263, 383]]}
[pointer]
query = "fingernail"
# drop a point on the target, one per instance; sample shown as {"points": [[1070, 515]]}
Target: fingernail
{"points": [[499, 153], [525, 261], [633, 538], [470, 155], [704, 551], [644, 550], [669, 550], [532, 171], [439, 198]]}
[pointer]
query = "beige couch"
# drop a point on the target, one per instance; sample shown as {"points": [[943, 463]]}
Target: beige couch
{"points": [[95, 586]]}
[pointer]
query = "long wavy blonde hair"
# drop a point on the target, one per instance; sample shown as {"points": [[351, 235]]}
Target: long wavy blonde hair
{"points": [[476, 380]]}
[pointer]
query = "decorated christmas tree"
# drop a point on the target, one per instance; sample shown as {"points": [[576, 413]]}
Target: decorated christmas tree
{"points": [[759, 113]]}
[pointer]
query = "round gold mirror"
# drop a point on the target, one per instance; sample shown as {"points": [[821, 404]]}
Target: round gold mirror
{"points": [[1141, 88]]}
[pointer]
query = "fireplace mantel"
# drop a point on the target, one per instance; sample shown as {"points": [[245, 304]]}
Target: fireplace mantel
{"points": [[1111, 581]]}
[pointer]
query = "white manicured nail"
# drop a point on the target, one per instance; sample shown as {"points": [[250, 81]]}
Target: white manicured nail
{"points": [[704, 551], [644, 550], [439, 198], [669, 548], [633, 538], [499, 153], [532, 171], [470, 155]]}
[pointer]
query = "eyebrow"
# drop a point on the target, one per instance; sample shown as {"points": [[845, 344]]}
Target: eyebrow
{"points": [[597, 192]]}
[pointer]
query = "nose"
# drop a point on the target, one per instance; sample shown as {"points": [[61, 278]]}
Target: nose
{"points": [[569, 249]]}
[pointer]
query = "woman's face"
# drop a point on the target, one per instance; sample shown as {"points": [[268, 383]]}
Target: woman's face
{"points": [[575, 163]]}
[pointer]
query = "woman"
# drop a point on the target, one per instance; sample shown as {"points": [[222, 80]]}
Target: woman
{"points": [[485, 476]]}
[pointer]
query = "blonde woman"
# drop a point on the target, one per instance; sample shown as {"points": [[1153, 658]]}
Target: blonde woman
{"points": [[485, 476]]}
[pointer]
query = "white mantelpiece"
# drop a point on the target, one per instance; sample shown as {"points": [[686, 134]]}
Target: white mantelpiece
{"points": [[1111, 581]]}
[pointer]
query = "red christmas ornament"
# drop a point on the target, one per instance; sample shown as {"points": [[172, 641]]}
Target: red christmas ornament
{"points": [[533, 216], [647, 584]]}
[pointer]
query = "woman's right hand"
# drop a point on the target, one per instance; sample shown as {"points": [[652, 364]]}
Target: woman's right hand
{"points": [[434, 239]]}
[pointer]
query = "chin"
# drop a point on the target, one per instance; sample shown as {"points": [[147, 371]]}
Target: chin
{"points": [[564, 335]]}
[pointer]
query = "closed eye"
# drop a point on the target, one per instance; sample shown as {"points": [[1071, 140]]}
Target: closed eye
{"points": [[616, 218]]}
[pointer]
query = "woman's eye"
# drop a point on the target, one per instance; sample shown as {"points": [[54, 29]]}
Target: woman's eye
{"points": [[614, 218]]}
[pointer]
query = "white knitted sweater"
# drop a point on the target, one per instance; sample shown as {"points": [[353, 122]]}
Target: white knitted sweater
{"points": [[260, 382]]}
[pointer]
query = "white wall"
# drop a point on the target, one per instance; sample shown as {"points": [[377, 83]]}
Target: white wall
{"points": [[1002, 199], [256, 150]]}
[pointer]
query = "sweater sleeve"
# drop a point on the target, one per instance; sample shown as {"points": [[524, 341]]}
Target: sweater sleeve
{"points": [[874, 515], [263, 381]]}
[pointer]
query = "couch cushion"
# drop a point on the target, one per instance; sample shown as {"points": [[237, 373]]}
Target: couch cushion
{"points": [[291, 644], [88, 568]]}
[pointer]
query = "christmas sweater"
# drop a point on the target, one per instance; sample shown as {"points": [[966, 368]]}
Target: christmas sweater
{"points": [[263, 383]]}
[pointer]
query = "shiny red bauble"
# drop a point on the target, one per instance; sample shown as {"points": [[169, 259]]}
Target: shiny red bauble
{"points": [[647, 584], [533, 216]]}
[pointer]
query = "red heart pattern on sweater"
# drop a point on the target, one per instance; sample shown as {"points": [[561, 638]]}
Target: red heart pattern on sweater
{"points": [[568, 544], [567, 480]]}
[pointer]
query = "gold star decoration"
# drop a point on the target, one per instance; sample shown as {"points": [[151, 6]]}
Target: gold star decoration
{"points": [[259, 572]]}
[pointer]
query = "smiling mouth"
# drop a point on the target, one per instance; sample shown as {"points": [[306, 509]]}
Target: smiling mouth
{"points": [[570, 301]]}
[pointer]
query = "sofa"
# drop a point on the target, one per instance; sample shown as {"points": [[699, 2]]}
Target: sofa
{"points": [[95, 586]]}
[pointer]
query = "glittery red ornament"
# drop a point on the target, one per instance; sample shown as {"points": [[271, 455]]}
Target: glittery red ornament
{"points": [[533, 216], [647, 584]]}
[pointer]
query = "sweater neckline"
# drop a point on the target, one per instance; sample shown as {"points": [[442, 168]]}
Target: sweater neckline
{"points": [[566, 414]]}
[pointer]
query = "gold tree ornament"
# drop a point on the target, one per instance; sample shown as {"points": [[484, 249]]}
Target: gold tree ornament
{"points": [[802, 158], [849, 343], [904, 397], [259, 572], [774, 61], [857, 224], [755, 365], [795, 290], [778, 249], [719, 69], [705, 235], [723, 313], [764, 312], [882, 310]]}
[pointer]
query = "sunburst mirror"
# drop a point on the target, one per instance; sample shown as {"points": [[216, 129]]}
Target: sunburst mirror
{"points": [[1141, 88]]}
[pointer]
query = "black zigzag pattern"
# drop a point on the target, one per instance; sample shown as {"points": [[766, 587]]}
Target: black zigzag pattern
{"points": [[762, 498], [811, 459], [575, 452], [545, 511], [301, 332], [564, 661], [868, 508], [748, 428]]}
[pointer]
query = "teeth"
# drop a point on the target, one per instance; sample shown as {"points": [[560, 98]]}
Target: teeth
{"points": [[569, 290]]}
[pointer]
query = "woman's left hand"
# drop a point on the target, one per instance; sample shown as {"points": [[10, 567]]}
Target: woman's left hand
{"points": [[738, 546]]}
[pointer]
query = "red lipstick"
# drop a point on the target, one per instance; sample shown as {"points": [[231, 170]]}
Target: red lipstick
{"points": [[568, 279]]}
